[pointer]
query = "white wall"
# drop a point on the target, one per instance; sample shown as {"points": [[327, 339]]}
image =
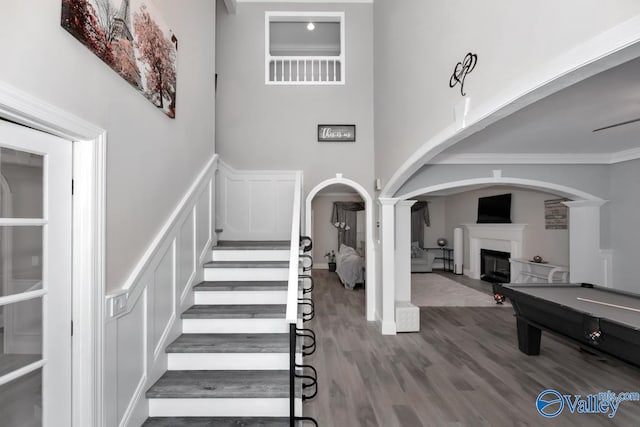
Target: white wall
{"points": [[527, 207], [624, 206], [418, 43], [151, 159], [325, 235], [263, 126]]}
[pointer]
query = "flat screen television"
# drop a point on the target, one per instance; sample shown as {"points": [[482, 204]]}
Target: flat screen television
{"points": [[494, 209]]}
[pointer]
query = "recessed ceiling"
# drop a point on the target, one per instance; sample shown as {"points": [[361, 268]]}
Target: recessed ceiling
{"points": [[564, 122]]}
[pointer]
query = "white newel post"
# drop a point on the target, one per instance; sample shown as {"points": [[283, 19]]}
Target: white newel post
{"points": [[388, 265], [585, 260], [403, 250]]}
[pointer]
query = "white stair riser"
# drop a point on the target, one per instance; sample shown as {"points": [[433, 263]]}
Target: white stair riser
{"points": [[241, 407], [248, 274], [253, 255], [229, 361], [232, 326], [240, 297]]}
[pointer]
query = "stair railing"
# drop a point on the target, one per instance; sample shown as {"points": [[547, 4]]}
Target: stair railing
{"points": [[294, 253], [299, 262]]}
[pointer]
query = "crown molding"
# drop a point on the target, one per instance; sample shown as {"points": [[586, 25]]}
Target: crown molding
{"points": [[625, 155], [538, 158]]}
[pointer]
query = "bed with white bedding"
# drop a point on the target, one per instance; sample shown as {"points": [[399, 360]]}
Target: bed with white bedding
{"points": [[349, 266]]}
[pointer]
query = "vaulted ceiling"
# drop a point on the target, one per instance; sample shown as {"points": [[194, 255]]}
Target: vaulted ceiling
{"points": [[563, 124]]}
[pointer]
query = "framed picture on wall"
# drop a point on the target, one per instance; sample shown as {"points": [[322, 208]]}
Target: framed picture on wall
{"points": [[131, 37], [555, 214], [336, 133]]}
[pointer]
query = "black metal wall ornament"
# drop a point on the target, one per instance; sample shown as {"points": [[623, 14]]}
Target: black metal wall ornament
{"points": [[463, 69]]}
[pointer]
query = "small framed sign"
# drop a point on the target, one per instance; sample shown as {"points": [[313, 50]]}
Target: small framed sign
{"points": [[336, 133]]}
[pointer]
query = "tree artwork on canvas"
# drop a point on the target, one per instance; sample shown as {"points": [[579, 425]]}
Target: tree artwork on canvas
{"points": [[130, 37]]}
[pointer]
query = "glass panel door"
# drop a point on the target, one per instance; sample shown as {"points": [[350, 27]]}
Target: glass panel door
{"points": [[35, 278]]}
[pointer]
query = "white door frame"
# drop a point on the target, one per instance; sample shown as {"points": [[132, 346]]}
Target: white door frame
{"points": [[89, 148], [370, 288]]}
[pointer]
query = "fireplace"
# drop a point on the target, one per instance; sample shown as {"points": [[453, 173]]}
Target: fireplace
{"points": [[508, 238], [495, 266]]}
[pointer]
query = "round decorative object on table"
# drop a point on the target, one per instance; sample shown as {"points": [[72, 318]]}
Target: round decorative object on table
{"points": [[442, 242], [537, 258]]}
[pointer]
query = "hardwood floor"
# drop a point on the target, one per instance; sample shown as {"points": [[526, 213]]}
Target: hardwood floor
{"points": [[462, 369], [478, 285]]}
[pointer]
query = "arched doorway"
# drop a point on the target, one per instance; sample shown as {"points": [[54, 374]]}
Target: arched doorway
{"points": [[369, 242], [587, 260]]}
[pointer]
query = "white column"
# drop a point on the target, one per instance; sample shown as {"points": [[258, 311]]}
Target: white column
{"points": [[388, 224], [585, 261], [403, 250]]}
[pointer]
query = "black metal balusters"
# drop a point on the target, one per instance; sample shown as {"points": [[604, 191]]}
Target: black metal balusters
{"points": [[306, 244], [309, 289], [297, 371]]}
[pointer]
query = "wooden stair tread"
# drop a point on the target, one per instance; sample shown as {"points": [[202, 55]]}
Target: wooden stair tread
{"points": [[220, 286], [247, 264], [230, 343], [216, 422], [252, 245], [254, 311], [221, 384]]}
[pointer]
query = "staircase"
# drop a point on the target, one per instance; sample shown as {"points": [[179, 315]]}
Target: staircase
{"points": [[231, 365]]}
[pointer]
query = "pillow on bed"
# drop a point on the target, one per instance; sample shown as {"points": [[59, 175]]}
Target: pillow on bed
{"points": [[345, 250]]}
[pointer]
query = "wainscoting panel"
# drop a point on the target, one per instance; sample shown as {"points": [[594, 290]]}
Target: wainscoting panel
{"points": [[262, 214], [131, 357], [164, 304], [284, 198], [254, 205], [204, 226], [142, 316], [187, 253], [235, 204]]}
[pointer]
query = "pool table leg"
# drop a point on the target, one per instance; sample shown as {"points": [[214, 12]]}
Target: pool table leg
{"points": [[528, 337]]}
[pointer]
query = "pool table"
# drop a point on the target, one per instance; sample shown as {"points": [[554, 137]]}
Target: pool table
{"points": [[598, 318]]}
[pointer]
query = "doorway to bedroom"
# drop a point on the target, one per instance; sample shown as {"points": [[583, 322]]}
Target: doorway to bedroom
{"points": [[339, 236], [356, 262]]}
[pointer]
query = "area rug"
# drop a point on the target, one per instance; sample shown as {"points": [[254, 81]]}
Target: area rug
{"points": [[434, 290]]}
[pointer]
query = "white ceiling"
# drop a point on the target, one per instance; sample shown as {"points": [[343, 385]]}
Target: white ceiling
{"points": [[563, 122]]}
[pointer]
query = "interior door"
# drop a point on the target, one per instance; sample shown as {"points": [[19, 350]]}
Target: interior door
{"points": [[35, 275]]}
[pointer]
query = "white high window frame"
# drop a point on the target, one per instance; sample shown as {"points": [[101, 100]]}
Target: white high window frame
{"points": [[305, 70]]}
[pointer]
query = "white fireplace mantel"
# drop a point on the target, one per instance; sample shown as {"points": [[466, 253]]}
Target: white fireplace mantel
{"points": [[497, 237]]}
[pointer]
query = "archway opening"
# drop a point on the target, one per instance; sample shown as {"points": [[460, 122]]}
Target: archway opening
{"points": [[537, 211], [353, 248]]}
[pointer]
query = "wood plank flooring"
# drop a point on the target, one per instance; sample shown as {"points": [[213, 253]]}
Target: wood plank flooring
{"points": [[462, 369]]}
